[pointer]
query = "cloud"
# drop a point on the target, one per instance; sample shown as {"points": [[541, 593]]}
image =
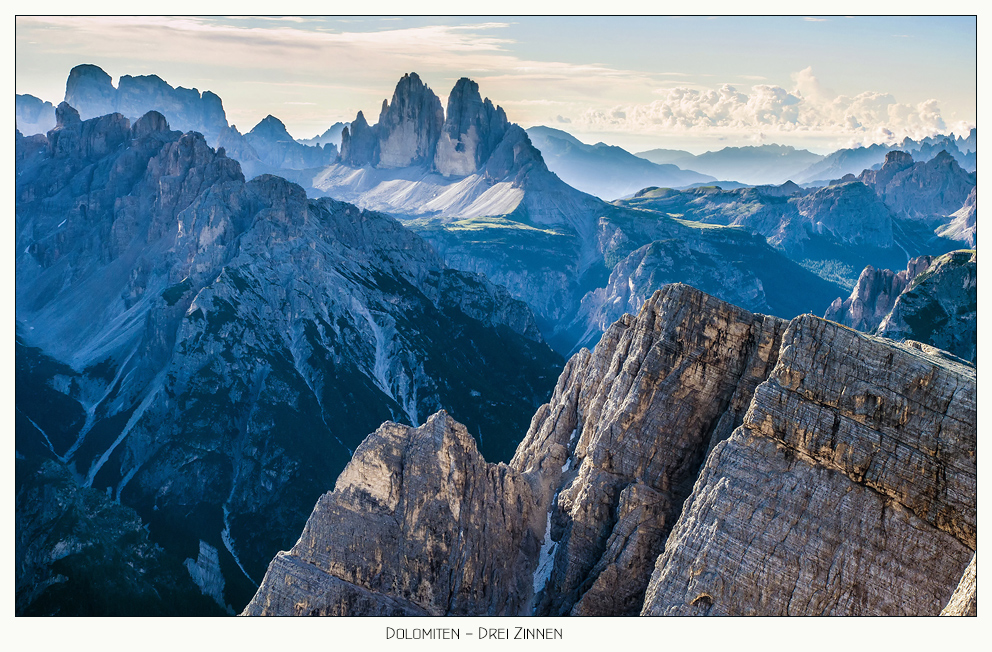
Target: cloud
{"points": [[815, 20], [562, 120], [341, 69], [767, 109]]}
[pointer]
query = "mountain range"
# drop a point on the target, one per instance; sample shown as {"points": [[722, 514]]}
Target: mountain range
{"points": [[964, 150], [606, 171], [213, 347], [753, 165], [475, 186], [882, 218], [210, 324]]}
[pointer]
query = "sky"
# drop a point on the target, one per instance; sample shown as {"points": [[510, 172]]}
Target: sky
{"points": [[694, 83]]}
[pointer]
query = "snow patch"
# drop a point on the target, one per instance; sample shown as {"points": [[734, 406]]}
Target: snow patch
{"points": [[48, 441], [405, 392], [546, 558], [156, 386], [225, 536], [415, 191]]}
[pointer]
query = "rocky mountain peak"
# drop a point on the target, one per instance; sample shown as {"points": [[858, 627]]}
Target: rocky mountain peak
{"points": [[66, 116], [898, 159], [928, 191], [473, 128], [33, 116], [358, 143], [91, 90], [943, 157], [409, 125], [933, 301], [151, 122], [87, 139], [939, 307], [874, 295], [851, 212], [271, 127], [473, 137]]}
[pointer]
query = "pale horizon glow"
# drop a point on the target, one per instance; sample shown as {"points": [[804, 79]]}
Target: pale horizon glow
{"points": [[692, 83]]}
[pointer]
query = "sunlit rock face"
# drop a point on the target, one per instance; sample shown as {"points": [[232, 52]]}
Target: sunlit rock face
{"points": [[406, 133], [701, 459], [473, 128]]}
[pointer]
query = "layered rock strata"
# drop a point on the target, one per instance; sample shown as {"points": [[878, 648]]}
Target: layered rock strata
{"points": [[637, 416], [848, 490], [837, 476], [451, 534]]}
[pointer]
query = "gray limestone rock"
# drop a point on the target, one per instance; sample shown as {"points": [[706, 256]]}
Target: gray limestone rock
{"points": [[358, 144], [418, 523], [409, 127], [472, 130], [91, 91], [701, 460], [964, 602], [848, 489], [651, 399]]}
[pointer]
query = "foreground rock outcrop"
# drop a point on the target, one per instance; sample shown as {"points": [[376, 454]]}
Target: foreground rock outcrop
{"points": [[701, 460], [849, 489], [452, 534]]}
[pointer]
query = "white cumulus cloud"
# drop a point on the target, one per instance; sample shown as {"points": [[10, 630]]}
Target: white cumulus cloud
{"points": [[767, 109]]}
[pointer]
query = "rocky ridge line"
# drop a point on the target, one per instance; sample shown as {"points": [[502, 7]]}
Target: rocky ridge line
{"points": [[838, 477]]}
